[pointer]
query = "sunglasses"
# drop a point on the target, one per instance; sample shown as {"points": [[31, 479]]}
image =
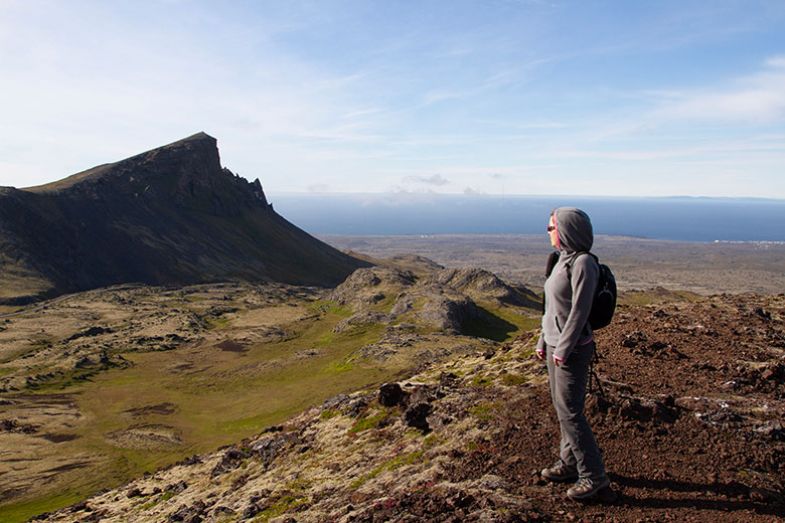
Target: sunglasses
{"points": [[550, 228]]}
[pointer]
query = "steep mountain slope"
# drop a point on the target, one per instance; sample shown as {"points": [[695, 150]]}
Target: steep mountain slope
{"points": [[172, 215]]}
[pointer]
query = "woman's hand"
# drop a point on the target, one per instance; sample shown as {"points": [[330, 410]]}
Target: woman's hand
{"points": [[557, 360], [540, 353]]}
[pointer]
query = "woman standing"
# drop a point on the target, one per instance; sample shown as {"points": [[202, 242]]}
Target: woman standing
{"points": [[567, 345]]}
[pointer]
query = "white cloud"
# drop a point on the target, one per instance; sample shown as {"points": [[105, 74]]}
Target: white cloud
{"points": [[756, 99], [434, 179]]}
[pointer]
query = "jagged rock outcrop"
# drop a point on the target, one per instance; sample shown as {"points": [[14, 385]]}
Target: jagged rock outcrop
{"points": [[442, 307], [171, 215], [485, 286]]}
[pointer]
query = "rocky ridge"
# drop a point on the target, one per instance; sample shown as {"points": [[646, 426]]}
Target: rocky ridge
{"points": [[445, 299], [169, 216]]}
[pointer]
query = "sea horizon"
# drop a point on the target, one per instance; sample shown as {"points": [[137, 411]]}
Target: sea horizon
{"points": [[680, 218]]}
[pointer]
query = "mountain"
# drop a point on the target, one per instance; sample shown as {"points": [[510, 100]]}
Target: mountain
{"points": [[171, 215]]}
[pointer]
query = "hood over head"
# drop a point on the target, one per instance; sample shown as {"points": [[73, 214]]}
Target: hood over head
{"points": [[574, 228]]}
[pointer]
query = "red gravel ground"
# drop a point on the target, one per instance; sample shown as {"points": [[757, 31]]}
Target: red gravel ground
{"points": [[690, 423]]}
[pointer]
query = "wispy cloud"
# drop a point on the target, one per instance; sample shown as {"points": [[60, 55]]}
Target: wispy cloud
{"points": [[759, 98], [434, 179]]}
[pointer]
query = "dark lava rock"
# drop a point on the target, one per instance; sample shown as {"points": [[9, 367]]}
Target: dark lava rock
{"points": [[192, 460], [774, 372], [390, 394], [231, 459], [416, 415], [772, 429], [637, 409], [268, 449], [633, 339], [12, 425], [335, 402], [176, 488], [223, 511], [253, 509], [763, 313], [356, 406], [91, 332], [448, 380], [423, 393], [134, 493], [192, 514]]}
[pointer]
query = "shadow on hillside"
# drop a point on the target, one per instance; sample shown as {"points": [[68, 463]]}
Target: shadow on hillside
{"points": [[488, 325], [771, 503]]}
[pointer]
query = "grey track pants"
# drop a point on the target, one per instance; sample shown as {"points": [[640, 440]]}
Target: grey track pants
{"points": [[568, 389]]}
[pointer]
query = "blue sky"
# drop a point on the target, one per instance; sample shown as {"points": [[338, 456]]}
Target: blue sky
{"points": [[488, 96]]}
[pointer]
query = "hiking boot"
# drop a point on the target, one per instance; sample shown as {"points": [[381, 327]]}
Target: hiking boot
{"points": [[560, 472], [587, 488]]}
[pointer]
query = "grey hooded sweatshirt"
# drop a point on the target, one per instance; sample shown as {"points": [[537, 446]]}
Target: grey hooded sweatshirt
{"points": [[569, 290]]}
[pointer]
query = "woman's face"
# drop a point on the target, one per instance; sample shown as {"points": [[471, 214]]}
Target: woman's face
{"points": [[553, 233]]}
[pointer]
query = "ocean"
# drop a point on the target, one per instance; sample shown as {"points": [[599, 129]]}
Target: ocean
{"points": [[673, 218]]}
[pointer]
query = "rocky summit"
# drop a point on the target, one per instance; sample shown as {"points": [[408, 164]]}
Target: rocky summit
{"points": [[172, 215]]}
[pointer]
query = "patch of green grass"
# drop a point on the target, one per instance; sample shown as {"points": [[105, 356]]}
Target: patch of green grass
{"points": [[484, 411], [511, 379], [499, 323], [390, 465], [329, 307], [159, 499], [62, 380], [216, 323], [385, 304], [341, 366], [325, 339], [22, 511], [481, 380], [328, 414], [431, 441], [371, 422], [281, 506]]}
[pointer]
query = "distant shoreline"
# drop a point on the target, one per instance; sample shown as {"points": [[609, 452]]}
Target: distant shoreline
{"points": [[639, 263], [690, 219]]}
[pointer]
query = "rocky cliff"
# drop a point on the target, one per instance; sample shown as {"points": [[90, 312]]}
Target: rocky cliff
{"points": [[172, 215]]}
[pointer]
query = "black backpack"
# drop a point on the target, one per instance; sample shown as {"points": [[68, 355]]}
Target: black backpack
{"points": [[604, 304]]}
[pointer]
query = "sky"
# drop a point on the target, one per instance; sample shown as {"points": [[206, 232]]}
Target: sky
{"points": [[619, 98]]}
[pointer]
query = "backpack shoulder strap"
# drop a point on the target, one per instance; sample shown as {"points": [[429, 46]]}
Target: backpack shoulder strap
{"points": [[580, 253], [553, 259]]}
